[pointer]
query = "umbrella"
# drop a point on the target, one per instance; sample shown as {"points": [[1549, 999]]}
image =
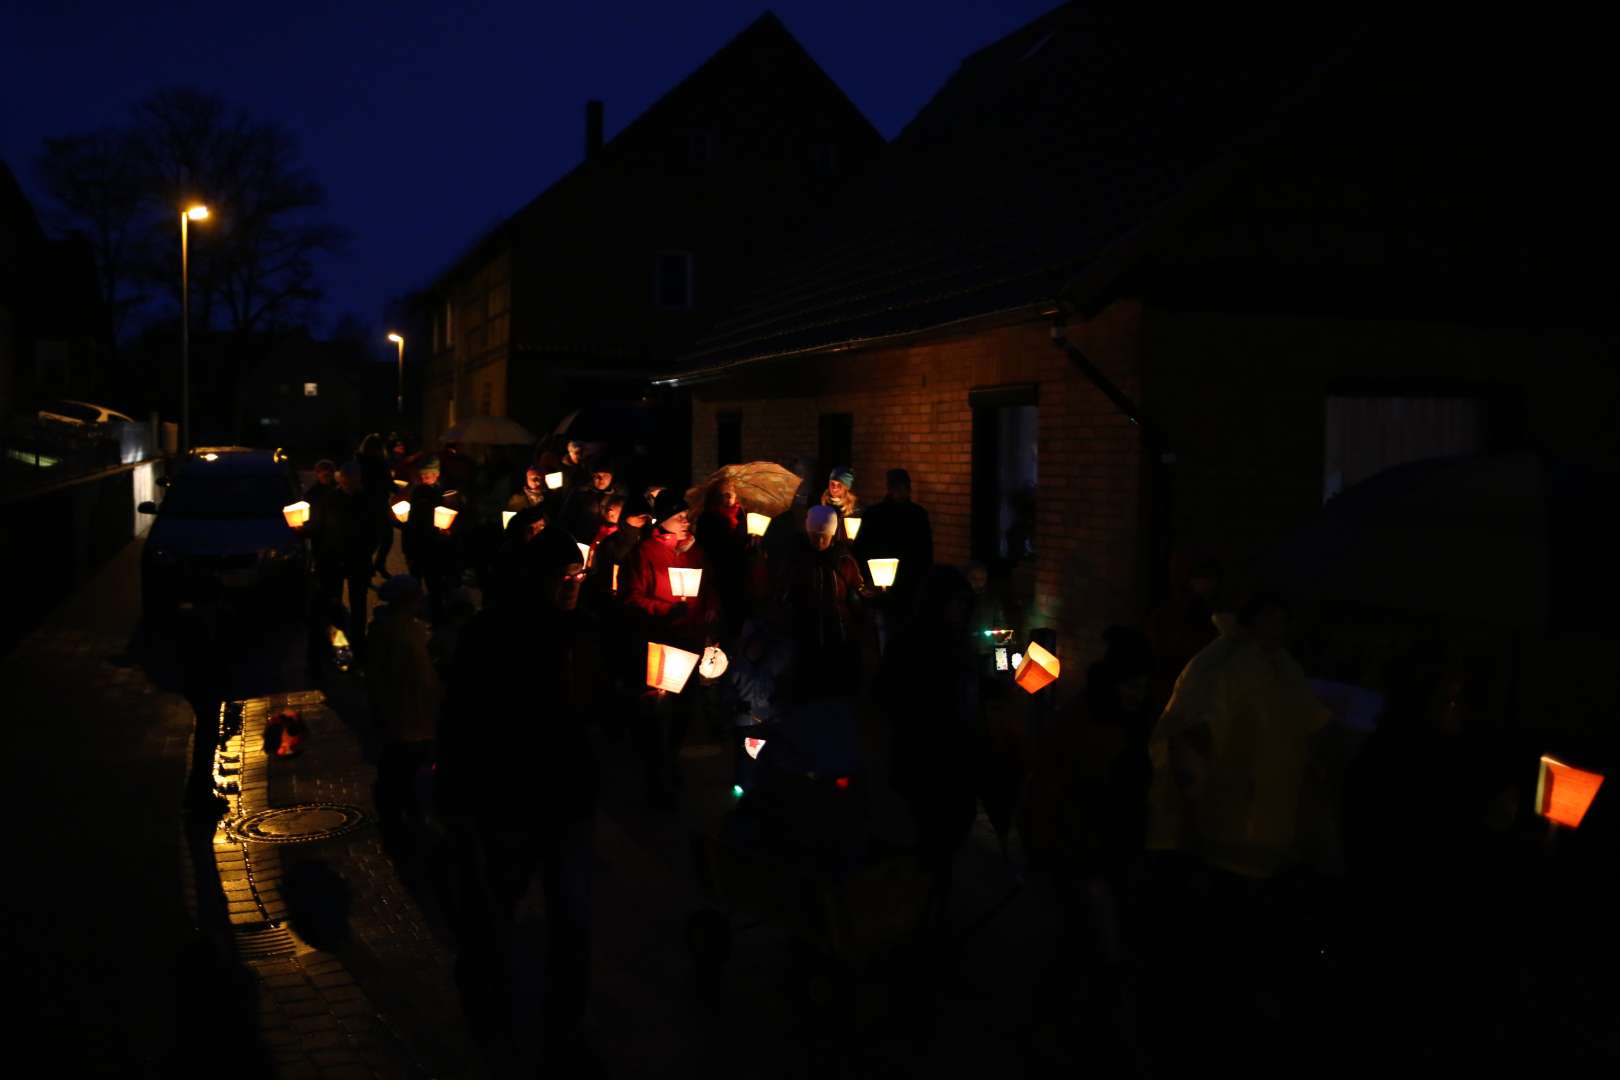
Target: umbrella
{"points": [[1508, 540], [489, 431], [763, 487]]}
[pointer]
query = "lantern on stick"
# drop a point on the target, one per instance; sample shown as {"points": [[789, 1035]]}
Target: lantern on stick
{"points": [[852, 527], [443, 516], [714, 663], [1564, 793], [668, 668], [506, 517], [1037, 669], [297, 514], [883, 570], [554, 480], [757, 524], [402, 510], [684, 581]]}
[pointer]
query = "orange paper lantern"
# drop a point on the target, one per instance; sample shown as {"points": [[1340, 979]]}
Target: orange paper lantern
{"points": [[757, 524], [668, 668], [615, 583], [402, 510], [1038, 669], [883, 570], [442, 517], [684, 581], [297, 514], [1564, 793]]}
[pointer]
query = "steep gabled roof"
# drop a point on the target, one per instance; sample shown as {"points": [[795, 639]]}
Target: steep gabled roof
{"points": [[1042, 153], [765, 33]]}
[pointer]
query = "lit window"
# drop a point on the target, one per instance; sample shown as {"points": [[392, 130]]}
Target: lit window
{"points": [[312, 389]]}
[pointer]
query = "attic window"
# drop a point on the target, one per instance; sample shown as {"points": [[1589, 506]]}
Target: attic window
{"points": [[1035, 48]]}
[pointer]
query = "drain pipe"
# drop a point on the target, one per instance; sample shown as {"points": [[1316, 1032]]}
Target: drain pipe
{"points": [[1159, 479]]}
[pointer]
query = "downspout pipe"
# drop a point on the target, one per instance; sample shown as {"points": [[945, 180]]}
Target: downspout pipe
{"points": [[1159, 480]]}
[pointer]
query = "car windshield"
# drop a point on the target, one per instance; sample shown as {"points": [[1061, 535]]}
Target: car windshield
{"points": [[224, 495]]}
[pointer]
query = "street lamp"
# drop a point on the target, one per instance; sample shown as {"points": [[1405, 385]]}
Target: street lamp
{"points": [[399, 340], [197, 212]]}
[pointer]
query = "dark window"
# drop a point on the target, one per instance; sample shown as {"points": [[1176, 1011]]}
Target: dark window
{"points": [[674, 280], [824, 159], [728, 438], [1005, 430], [835, 443], [1364, 435]]}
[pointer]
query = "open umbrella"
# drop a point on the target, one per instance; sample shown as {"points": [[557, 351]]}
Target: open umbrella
{"points": [[1510, 540], [489, 431], [763, 487]]}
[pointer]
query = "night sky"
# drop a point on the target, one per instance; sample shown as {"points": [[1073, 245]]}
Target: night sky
{"points": [[429, 122]]}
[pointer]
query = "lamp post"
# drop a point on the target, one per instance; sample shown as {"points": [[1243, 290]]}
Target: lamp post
{"points": [[399, 340], [188, 215]]}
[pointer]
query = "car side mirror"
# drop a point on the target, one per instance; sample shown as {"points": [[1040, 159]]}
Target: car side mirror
{"points": [[147, 507]]}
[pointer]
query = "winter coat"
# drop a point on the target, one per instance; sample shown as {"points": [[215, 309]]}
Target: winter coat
{"points": [[400, 675], [724, 541], [647, 590], [523, 499], [423, 541], [1230, 754]]}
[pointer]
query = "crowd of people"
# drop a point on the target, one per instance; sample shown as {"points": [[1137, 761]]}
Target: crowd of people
{"points": [[1177, 800]]}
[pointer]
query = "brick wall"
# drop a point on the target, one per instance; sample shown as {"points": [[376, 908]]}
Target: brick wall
{"points": [[910, 408]]}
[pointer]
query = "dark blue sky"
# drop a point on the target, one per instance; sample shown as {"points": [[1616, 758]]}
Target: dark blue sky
{"points": [[490, 97]]}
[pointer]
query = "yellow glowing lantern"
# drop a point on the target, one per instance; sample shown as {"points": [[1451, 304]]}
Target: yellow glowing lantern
{"points": [[584, 553], [883, 570], [668, 668], [402, 510], [714, 663], [297, 514], [615, 583], [506, 517], [684, 581], [852, 526], [1037, 669], [757, 524], [1564, 793], [553, 480], [442, 517], [753, 746]]}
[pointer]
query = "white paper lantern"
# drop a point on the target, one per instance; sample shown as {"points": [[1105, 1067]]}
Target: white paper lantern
{"points": [[753, 746], [852, 527], [684, 581], [757, 524], [668, 668], [714, 663], [553, 480], [506, 517], [443, 516], [402, 510], [883, 570]]}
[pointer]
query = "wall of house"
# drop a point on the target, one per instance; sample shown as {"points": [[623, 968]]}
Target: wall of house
{"points": [[911, 409]]}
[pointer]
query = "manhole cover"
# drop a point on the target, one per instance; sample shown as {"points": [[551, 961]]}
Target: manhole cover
{"points": [[297, 824]]}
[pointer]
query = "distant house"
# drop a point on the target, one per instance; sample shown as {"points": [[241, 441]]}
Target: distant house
{"points": [[617, 268], [314, 398], [55, 336], [1124, 288]]}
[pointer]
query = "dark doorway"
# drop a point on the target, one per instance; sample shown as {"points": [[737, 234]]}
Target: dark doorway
{"points": [[728, 438], [835, 441], [1005, 430]]}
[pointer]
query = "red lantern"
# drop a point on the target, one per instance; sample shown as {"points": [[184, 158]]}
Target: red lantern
{"points": [[1564, 793], [1038, 669]]}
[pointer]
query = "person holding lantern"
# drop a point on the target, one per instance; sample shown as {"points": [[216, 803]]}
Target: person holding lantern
{"points": [[723, 537], [840, 493], [517, 783], [533, 492], [346, 531], [429, 551], [822, 593], [896, 528], [404, 689]]}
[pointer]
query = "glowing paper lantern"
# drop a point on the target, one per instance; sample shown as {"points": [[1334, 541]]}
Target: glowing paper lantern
{"points": [[1564, 793], [506, 517], [852, 526], [1037, 669], [714, 663], [757, 524], [442, 517], [668, 668], [883, 570], [684, 581], [1001, 658], [553, 480], [584, 553], [753, 746], [1017, 659], [297, 514], [615, 583], [402, 510]]}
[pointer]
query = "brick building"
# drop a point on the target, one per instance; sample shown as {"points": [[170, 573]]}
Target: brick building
{"points": [[604, 278], [1286, 256]]}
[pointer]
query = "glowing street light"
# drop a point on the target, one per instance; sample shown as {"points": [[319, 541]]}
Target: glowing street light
{"points": [[399, 340], [195, 212]]}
